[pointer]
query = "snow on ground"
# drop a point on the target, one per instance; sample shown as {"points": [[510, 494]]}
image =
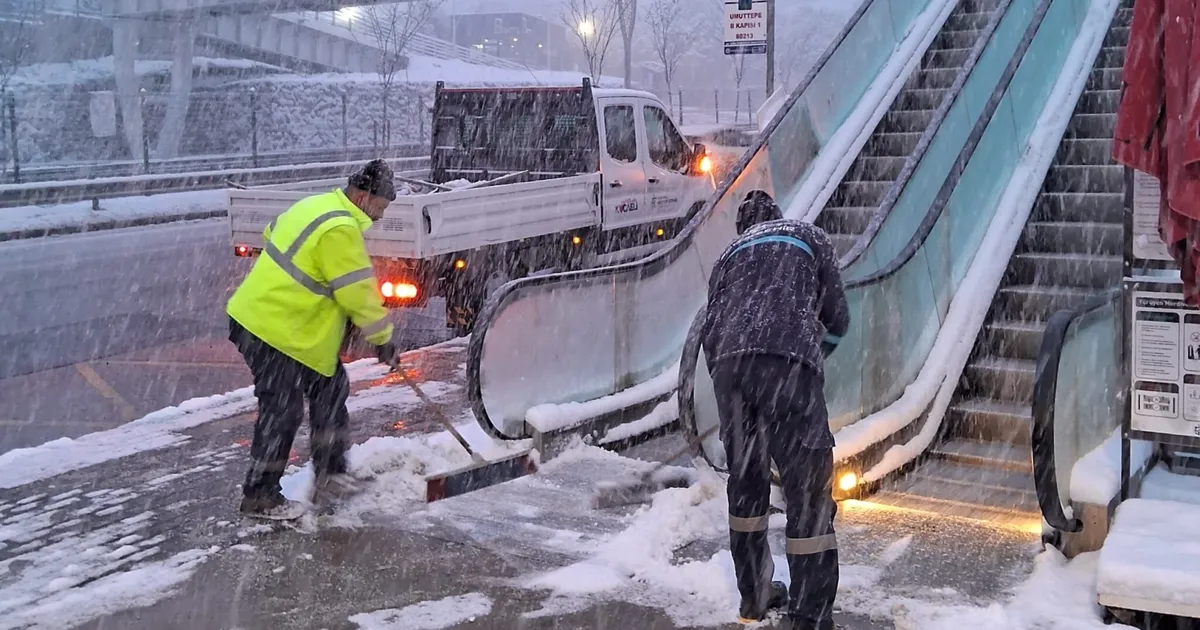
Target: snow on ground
{"points": [[558, 416], [1096, 477], [161, 429], [430, 615], [119, 209], [103, 69], [1151, 554]]}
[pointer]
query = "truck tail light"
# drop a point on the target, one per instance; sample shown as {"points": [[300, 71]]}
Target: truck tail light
{"points": [[706, 165], [241, 251], [399, 290]]}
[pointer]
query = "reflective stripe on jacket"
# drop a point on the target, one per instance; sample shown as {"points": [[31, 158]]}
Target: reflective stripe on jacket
{"points": [[314, 272]]}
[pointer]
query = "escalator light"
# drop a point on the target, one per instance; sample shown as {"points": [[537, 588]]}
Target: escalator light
{"points": [[847, 481], [576, 240], [705, 164], [659, 232], [460, 264], [388, 289]]}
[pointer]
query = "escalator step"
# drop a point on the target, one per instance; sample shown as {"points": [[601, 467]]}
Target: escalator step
{"points": [[1069, 178], [1037, 303], [891, 144], [1074, 238], [846, 220], [1001, 379], [931, 485], [977, 6], [843, 242], [1104, 79], [1085, 151], [962, 21], [859, 193], [1079, 207], [957, 508], [1100, 101], [1118, 36], [933, 78], [996, 455], [947, 39], [992, 420], [1013, 339], [1097, 271], [875, 169], [985, 476], [907, 121], [1112, 57], [920, 99], [1091, 126], [946, 58]]}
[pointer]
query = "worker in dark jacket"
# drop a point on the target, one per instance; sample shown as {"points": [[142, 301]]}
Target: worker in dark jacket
{"points": [[776, 308]]}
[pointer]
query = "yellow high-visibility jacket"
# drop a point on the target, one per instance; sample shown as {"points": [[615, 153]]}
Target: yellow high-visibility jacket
{"points": [[313, 272]]}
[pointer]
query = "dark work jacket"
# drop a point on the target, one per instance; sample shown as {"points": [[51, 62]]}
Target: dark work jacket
{"points": [[776, 290]]}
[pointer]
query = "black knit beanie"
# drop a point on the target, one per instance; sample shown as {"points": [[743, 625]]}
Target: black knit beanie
{"points": [[376, 179]]}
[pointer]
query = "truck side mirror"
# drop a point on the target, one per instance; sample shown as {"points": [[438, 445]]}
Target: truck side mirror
{"points": [[701, 162]]}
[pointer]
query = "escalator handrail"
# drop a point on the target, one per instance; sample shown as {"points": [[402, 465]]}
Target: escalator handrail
{"points": [[942, 200], [1045, 390], [913, 161], [655, 262]]}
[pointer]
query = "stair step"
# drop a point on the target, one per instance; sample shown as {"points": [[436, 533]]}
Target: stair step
{"points": [[920, 99], [1070, 178], [1104, 79], [891, 144], [947, 57], [1091, 126], [906, 120], [1001, 379], [1013, 339], [846, 220], [859, 193], [873, 168], [1079, 207], [1099, 102], [1038, 303], [933, 78], [1097, 271], [1116, 36], [1073, 237], [1111, 57], [992, 420], [1086, 152]]}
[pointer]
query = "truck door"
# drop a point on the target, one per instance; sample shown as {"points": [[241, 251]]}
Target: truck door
{"points": [[624, 178], [666, 159]]}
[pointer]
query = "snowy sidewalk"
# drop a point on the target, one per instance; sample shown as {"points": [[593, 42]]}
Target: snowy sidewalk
{"points": [[142, 533]]}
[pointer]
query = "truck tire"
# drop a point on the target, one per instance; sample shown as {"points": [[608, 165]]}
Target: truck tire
{"points": [[461, 317]]}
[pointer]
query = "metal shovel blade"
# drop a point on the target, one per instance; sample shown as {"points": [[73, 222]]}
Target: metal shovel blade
{"points": [[478, 475]]}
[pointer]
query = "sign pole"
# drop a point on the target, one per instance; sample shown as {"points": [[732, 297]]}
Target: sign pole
{"points": [[770, 48]]}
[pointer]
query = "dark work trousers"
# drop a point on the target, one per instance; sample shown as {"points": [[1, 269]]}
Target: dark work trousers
{"points": [[770, 408], [282, 386]]}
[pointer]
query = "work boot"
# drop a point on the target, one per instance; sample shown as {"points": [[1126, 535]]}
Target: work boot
{"points": [[778, 599], [272, 508], [344, 484]]}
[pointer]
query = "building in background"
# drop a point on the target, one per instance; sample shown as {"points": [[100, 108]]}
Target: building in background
{"points": [[518, 37]]}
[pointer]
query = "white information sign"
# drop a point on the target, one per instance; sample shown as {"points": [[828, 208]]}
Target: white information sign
{"points": [[746, 31], [1147, 244], [1166, 364], [102, 113]]}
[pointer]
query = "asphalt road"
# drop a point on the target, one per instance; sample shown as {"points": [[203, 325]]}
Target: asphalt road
{"points": [[97, 329]]}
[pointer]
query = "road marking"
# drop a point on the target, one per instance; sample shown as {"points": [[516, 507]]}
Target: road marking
{"points": [[100, 385], [212, 364]]}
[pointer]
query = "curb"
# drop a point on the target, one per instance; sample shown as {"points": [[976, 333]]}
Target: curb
{"points": [[111, 224]]}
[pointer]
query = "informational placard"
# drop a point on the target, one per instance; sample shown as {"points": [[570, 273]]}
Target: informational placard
{"points": [[745, 29], [1147, 244], [102, 113], [1166, 364]]}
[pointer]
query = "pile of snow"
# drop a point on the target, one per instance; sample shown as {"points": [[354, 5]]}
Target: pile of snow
{"points": [[1150, 555], [430, 615], [1096, 477], [663, 414], [558, 416]]}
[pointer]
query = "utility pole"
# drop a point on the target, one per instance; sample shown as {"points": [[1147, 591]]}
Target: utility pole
{"points": [[770, 48]]}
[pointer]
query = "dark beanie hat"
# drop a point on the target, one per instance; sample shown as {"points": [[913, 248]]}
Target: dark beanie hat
{"points": [[756, 208], [376, 179]]}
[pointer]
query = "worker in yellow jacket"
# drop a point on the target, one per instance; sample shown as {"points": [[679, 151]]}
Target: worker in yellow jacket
{"points": [[288, 319]]}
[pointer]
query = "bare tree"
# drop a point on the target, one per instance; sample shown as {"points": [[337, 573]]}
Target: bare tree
{"points": [[18, 25], [391, 27], [668, 34], [627, 11], [739, 73], [594, 23]]}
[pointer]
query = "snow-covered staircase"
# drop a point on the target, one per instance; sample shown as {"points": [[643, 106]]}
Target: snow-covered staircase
{"points": [[874, 172], [1071, 251]]}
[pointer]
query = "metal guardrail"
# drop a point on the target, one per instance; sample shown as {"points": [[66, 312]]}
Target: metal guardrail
{"points": [[131, 168], [45, 193]]}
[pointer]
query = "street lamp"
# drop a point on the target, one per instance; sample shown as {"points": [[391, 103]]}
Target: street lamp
{"points": [[587, 27]]}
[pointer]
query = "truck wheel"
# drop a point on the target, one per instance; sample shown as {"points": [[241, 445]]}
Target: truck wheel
{"points": [[461, 317]]}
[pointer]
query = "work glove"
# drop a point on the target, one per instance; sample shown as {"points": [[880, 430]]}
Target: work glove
{"points": [[388, 353]]}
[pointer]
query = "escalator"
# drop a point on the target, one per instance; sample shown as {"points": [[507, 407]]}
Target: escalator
{"points": [[1069, 254], [863, 192]]}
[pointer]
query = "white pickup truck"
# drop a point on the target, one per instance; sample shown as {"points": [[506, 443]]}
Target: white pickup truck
{"points": [[590, 177]]}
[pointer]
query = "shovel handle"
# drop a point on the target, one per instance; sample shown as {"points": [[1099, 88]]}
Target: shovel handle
{"points": [[437, 411]]}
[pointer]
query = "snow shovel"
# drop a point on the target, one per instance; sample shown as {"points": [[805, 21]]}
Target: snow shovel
{"points": [[614, 494], [480, 473]]}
